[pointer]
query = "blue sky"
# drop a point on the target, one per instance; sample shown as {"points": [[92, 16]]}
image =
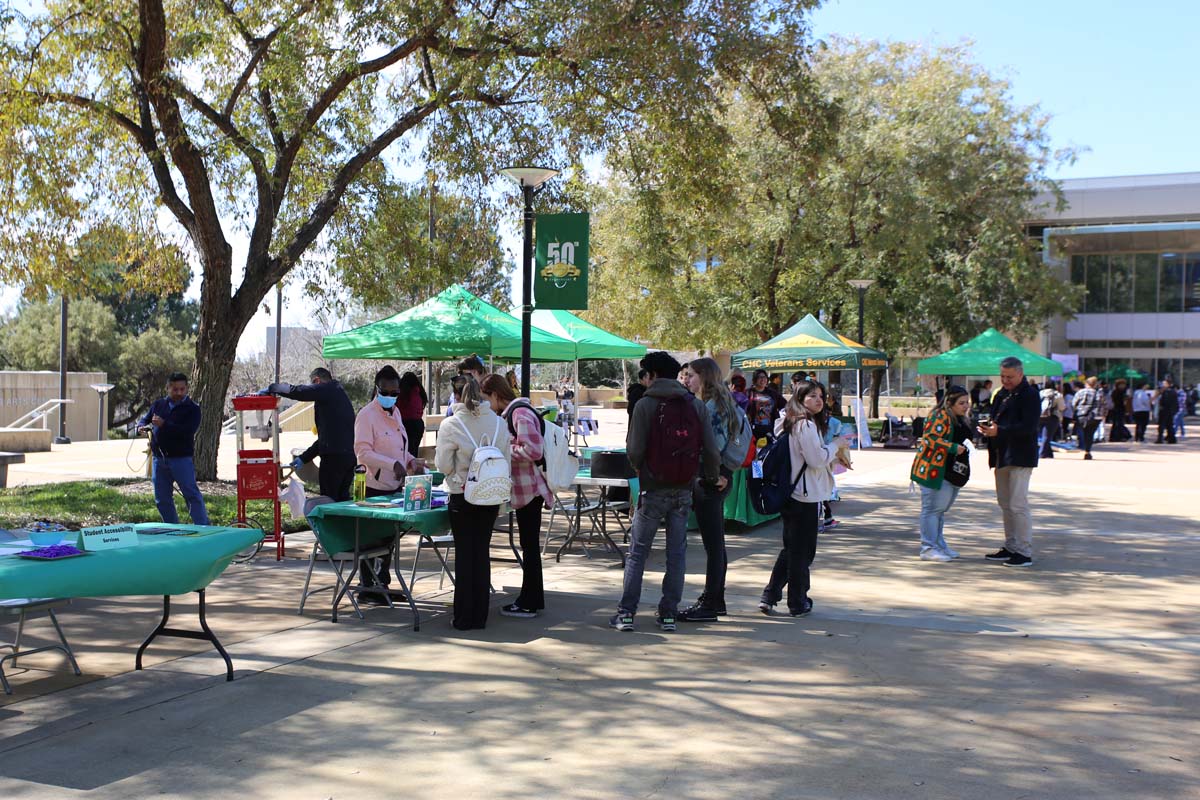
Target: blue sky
{"points": [[1114, 77]]}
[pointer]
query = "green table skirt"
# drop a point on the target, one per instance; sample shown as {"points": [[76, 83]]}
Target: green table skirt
{"points": [[334, 524], [159, 564]]}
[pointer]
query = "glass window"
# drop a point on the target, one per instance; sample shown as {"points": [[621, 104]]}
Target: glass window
{"points": [[1191, 282], [1170, 283], [1191, 371], [1097, 284], [1078, 274], [1120, 283], [1145, 282]]}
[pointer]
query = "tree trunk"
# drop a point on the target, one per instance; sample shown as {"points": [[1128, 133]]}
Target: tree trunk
{"points": [[214, 365], [876, 380]]}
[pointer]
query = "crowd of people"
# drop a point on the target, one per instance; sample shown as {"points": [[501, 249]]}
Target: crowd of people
{"points": [[690, 429]]}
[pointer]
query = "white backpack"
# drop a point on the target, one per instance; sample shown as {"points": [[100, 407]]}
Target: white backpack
{"points": [[489, 479], [559, 464]]}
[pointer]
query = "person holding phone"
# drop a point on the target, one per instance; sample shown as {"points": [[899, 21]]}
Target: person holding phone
{"points": [[1012, 435]]}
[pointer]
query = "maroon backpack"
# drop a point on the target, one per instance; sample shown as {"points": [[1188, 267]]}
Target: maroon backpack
{"points": [[676, 439]]}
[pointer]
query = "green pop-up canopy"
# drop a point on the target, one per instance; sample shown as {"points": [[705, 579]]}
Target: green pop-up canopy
{"points": [[590, 341], [452, 325], [1126, 371], [982, 356], [810, 345]]}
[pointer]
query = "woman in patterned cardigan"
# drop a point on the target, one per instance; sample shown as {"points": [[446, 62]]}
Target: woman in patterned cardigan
{"points": [[941, 468]]}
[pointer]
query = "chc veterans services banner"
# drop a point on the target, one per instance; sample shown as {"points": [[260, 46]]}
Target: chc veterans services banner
{"points": [[561, 262]]}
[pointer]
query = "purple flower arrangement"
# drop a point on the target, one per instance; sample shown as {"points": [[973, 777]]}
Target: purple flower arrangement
{"points": [[54, 551]]}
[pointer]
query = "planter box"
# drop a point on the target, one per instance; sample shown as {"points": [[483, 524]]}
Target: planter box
{"points": [[617, 404]]}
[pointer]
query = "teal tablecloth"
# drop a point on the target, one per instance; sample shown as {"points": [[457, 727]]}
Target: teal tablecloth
{"points": [[334, 523], [159, 564]]}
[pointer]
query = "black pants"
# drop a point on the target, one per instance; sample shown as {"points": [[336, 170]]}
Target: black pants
{"points": [[415, 430], [383, 564], [335, 475], [708, 504], [1166, 426], [799, 550], [1141, 421], [1118, 432], [1048, 430], [529, 523], [1087, 432], [471, 526]]}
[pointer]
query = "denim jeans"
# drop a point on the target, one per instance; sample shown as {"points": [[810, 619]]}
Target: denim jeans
{"points": [[934, 505], [1047, 432], [181, 470], [1177, 424], [800, 523], [655, 507]]}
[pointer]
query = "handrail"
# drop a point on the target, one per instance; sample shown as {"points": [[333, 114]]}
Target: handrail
{"points": [[40, 413]]}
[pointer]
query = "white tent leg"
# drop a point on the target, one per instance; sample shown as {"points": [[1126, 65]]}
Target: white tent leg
{"points": [[887, 376], [858, 392]]}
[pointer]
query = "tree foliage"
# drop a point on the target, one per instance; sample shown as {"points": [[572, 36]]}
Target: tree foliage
{"points": [[391, 263], [920, 181], [213, 122]]}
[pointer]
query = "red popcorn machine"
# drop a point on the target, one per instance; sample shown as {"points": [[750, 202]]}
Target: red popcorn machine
{"points": [[259, 473]]}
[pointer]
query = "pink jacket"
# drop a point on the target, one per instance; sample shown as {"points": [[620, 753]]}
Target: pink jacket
{"points": [[379, 442]]}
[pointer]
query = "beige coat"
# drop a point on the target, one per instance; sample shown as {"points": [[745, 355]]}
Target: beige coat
{"points": [[454, 446]]}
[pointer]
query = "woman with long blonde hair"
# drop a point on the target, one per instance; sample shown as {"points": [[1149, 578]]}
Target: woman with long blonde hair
{"points": [[704, 380]]}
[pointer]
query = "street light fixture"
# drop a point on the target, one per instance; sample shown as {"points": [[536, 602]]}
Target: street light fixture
{"points": [[861, 284], [530, 179], [101, 390]]}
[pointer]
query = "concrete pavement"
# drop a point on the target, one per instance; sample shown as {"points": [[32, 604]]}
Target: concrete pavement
{"points": [[1072, 679]]}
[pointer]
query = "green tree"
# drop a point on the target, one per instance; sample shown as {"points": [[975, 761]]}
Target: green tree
{"points": [[263, 121], [391, 263], [921, 182]]}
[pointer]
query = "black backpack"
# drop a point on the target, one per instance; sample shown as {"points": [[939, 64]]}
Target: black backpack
{"points": [[770, 493]]}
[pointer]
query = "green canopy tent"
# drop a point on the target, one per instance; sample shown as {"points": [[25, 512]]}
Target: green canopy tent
{"points": [[1126, 371], [454, 324], [811, 345], [591, 342], [982, 356]]}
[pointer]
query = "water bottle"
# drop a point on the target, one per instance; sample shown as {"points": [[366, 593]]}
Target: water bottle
{"points": [[360, 482]]}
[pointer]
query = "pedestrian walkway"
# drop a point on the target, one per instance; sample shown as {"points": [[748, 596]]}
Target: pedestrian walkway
{"points": [[912, 679]]}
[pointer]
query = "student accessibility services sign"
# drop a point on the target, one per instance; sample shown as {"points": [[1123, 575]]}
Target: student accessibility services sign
{"points": [[561, 262]]}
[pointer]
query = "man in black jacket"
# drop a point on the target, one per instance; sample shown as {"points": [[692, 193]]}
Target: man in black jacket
{"points": [[334, 415], [1168, 407], [173, 422], [1013, 453]]}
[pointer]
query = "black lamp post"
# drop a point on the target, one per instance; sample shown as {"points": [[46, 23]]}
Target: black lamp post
{"points": [[861, 285], [530, 179], [62, 437]]}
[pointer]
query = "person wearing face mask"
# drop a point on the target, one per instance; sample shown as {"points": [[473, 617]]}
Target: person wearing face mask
{"points": [[381, 445]]}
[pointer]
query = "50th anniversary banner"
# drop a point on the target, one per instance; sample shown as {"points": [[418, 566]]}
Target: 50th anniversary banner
{"points": [[561, 262]]}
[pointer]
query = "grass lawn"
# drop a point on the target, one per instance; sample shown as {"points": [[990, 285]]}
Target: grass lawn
{"points": [[86, 503]]}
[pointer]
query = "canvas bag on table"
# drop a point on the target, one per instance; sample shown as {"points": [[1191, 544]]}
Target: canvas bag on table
{"points": [[558, 463], [489, 478]]}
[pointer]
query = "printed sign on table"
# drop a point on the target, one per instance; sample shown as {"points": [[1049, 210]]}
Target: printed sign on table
{"points": [[108, 537]]}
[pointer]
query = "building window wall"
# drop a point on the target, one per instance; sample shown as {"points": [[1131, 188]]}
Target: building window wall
{"points": [[1120, 283]]}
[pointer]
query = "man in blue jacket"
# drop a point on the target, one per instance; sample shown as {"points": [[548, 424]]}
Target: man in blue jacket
{"points": [[334, 415], [173, 422], [1013, 453]]}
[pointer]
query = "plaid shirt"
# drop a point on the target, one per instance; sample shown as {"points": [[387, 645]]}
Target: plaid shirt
{"points": [[528, 479], [1085, 403]]}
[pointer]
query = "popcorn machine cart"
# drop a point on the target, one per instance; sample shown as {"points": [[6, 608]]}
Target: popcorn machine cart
{"points": [[258, 471]]}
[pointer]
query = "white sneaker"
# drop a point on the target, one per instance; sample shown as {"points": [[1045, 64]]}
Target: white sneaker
{"points": [[951, 553], [935, 555]]}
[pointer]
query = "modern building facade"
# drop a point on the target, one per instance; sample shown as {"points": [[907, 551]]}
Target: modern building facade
{"points": [[1133, 244]]}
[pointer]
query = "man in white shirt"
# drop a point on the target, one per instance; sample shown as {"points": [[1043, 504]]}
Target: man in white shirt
{"points": [[1143, 399]]}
